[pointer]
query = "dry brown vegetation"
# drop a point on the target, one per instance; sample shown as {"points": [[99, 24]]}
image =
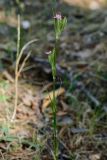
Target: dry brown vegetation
{"points": [[91, 4]]}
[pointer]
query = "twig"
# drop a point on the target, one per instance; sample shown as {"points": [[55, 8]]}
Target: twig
{"points": [[24, 61]]}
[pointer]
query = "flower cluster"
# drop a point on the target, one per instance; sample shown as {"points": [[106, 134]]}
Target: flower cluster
{"points": [[60, 23], [58, 16]]}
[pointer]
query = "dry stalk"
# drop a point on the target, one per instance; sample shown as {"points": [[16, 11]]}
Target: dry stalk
{"points": [[17, 69]]}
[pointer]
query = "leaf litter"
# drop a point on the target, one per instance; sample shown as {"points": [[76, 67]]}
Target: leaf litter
{"points": [[81, 97]]}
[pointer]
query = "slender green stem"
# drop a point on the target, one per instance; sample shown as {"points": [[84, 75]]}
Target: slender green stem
{"points": [[54, 102], [55, 142], [18, 36], [59, 24]]}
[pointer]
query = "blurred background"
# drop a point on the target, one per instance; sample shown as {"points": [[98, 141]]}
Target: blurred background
{"points": [[81, 88]]}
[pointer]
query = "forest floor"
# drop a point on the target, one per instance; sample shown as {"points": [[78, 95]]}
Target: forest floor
{"points": [[80, 90]]}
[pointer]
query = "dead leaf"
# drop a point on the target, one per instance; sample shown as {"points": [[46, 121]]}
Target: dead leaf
{"points": [[36, 106], [61, 113], [10, 20], [92, 4], [65, 106], [8, 76], [95, 156], [49, 97], [27, 99]]}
